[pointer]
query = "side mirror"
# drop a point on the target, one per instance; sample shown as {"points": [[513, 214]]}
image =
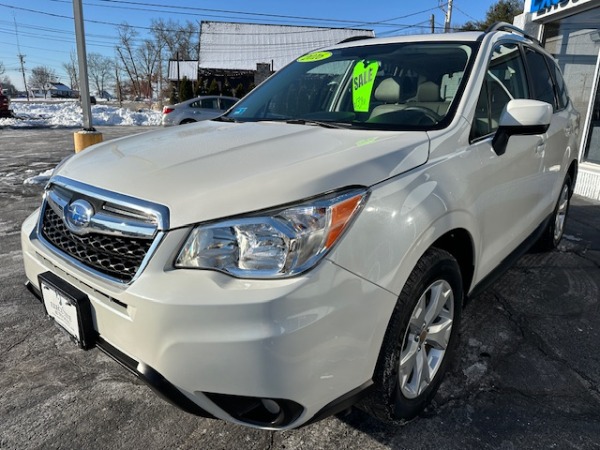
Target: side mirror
{"points": [[521, 117]]}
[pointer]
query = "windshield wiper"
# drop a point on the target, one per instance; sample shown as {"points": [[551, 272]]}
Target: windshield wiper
{"points": [[224, 119], [318, 123]]}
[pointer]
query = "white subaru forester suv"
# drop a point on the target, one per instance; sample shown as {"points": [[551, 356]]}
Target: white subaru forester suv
{"points": [[312, 248]]}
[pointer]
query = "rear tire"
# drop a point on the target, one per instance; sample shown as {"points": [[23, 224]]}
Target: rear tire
{"points": [[556, 227], [184, 121], [420, 339]]}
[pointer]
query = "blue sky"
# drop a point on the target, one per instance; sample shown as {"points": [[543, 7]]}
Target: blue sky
{"points": [[46, 28]]}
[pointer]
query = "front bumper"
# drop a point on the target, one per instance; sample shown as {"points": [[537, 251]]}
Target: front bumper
{"points": [[219, 344]]}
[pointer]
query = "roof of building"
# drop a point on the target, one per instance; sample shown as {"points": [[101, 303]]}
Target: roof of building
{"points": [[61, 86], [240, 46]]}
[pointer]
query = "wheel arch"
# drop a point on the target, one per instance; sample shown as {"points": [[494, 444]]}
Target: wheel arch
{"points": [[459, 243], [455, 233]]}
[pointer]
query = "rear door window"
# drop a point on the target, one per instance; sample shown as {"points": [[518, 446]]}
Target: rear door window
{"points": [[209, 103]]}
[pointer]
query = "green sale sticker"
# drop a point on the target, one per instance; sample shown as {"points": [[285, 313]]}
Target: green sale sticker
{"points": [[314, 56], [363, 78]]}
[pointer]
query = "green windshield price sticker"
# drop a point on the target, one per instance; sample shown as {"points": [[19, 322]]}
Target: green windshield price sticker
{"points": [[363, 78], [314, 56]]}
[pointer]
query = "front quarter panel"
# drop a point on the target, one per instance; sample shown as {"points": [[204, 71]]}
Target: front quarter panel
{"points": [[405, 215]]}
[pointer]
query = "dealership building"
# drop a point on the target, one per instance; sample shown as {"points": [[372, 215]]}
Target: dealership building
{"points": [[570, 31]]}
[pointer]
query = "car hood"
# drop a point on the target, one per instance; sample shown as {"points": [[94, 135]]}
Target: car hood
{"points": [[214, 169]]}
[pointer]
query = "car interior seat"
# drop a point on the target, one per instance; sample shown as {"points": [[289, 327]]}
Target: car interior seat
{"points": [[428, 96], [387, 95]]}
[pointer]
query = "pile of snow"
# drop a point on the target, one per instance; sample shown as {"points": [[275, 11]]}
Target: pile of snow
{"points": [[69, 114], [39, 180]]}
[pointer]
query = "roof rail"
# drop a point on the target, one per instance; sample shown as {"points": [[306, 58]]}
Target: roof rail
{"points": [[504, 26], [355, 38]]}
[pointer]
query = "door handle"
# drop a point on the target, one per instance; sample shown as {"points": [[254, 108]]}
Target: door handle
{"points": [[540, 147]]}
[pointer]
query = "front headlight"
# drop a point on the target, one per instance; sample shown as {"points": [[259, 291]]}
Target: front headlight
{"points": [[276, 244]]}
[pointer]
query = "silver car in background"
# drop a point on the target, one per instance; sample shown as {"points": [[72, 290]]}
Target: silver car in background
{"points": [[196, 109]]}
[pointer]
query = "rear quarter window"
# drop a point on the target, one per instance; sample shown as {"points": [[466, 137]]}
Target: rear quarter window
{"points": [[227, 103]]}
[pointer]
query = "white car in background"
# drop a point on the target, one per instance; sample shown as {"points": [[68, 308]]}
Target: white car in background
{"points": [[197, 109], [312, 248]]}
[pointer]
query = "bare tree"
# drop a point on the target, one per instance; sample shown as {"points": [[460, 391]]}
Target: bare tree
{"points": [[126, 52], [147, 55], [118, 83], [142, 62], [41, 77], [173, 41], [72, 70], [176, 38], [2, 69], [100, 71]]}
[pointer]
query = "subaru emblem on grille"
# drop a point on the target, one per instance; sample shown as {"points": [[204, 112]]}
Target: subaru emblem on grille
{"points": [[78, 215]]}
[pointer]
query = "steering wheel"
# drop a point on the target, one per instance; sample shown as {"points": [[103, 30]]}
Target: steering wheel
{"points": [[430, 114]]}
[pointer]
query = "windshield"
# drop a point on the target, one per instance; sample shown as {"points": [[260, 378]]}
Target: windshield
{"points": [[388, 86]]}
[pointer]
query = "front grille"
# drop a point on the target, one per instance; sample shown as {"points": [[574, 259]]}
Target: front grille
{"points": [[115, 256]]}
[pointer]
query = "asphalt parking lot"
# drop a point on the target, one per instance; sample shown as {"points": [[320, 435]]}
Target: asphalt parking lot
{"points": [[527, 375]]}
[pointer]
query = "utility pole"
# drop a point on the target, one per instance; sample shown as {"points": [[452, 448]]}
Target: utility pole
{"points": [[448, 12], [84, 84], [119, 93], [88, 136], [160, 76], [432, 24], [178, 79], [21, 58]]}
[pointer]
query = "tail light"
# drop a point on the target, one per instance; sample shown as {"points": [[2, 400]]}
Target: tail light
{"points": [[167, 110]]}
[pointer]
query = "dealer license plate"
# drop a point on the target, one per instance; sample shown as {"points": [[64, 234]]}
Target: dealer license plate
{"points": [[69, 307], [62, 309]]}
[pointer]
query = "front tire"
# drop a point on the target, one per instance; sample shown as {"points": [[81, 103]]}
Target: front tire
{"points": [[420, 339]]}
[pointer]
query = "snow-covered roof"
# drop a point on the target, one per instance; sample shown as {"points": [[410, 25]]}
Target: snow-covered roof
{"points": [[58, 87], [240, 46]]}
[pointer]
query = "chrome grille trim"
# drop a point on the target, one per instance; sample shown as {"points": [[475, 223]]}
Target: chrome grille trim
{"points": [[159, 213], [121, 236], [124, 225]]}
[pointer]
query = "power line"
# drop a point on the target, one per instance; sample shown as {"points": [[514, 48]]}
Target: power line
{"points": [[385, 22], [245, 13], [466, 14], [109, 41], [402, 26]]}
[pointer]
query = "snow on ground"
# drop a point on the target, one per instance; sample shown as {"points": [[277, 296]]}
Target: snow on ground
{"points": [[69, 114]]}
